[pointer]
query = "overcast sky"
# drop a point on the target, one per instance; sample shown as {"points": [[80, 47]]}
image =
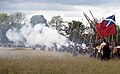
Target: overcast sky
{"points": [[68, 9]]}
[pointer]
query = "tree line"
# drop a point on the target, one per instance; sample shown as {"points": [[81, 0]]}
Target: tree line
{"points": [[74, 30]]}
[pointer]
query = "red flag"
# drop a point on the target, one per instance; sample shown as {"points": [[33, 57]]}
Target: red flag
{"points": [[107, 27]]}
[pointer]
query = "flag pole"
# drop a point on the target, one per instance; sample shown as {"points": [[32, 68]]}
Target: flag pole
{"points": [[91, 23], [117, 34], [112, 38]]}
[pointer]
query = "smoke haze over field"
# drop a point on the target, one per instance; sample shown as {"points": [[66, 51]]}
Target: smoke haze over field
{"points": [[36, 35]]}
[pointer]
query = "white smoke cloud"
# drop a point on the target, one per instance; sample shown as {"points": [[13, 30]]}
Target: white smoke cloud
{"points": [[37, 35], [14, 35]]}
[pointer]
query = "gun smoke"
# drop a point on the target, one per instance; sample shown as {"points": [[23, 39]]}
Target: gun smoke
{"points": [[39, 34]]}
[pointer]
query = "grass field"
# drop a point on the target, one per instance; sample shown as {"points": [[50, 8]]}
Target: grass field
{"points": [[14, 61]]}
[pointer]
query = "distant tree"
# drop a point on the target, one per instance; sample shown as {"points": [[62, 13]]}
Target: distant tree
{"points": [[7, 22], [118, 34], [37, 19], [57, 22], [4, 26], [75, 30], [17, 20]]}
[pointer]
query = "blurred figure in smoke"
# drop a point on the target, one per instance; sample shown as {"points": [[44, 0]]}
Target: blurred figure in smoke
{"points": [[55, 46], [43, 47], [84, 47], [75, 50], [98, 55]]}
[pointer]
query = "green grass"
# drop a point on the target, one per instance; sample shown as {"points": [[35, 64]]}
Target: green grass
{"points": [[60, 63]]}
